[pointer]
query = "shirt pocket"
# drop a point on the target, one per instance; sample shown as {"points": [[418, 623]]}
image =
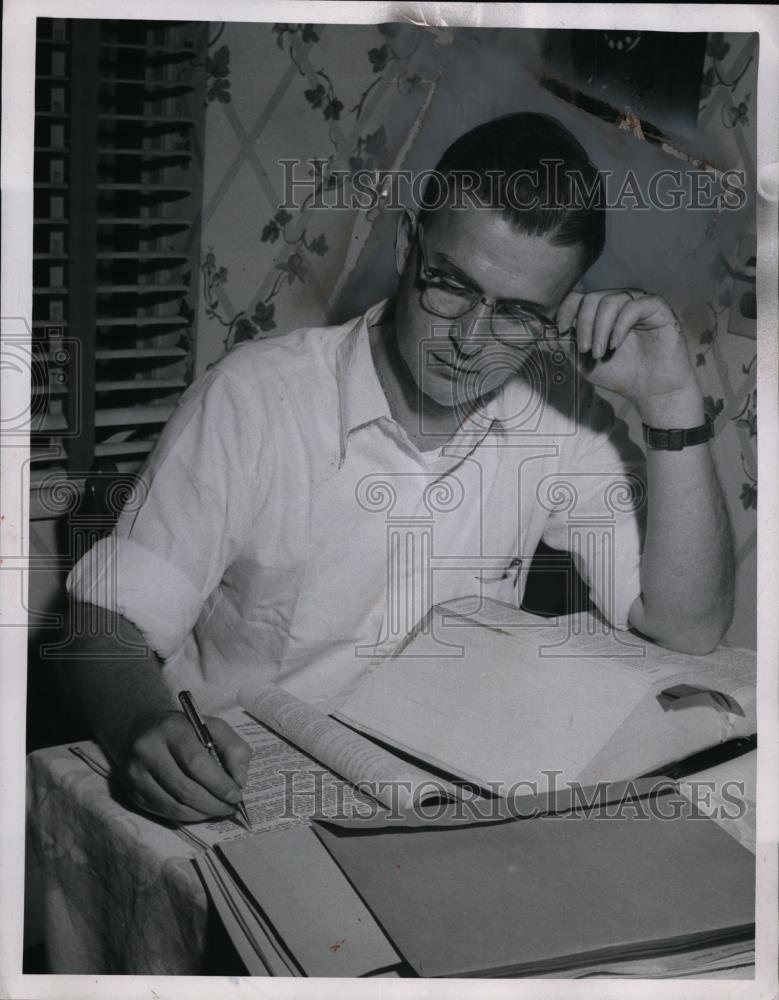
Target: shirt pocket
{"points": [[262, 594]]}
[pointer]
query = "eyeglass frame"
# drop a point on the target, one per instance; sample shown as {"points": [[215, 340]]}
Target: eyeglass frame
{"points": [[426, 273]]}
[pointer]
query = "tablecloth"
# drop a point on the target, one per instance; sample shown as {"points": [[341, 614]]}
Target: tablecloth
{"points": [[120, 892]]}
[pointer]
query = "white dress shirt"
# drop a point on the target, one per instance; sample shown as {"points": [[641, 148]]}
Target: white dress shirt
{"points": [[285, 527]]}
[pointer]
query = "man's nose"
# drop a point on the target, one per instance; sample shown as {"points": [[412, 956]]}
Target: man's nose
{"points": [[478, 323]]}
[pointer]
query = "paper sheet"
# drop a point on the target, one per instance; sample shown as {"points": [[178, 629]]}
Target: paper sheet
{"points": [[284, 789], [309, 904], [252, 942]]}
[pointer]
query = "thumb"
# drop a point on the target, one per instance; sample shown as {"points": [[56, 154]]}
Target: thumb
{"points": [[235, 752]]}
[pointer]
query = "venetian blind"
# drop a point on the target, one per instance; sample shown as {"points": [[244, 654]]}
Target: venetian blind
{"points": [[119, 114]]}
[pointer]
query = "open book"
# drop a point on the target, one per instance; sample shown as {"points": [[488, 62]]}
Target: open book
{"points": [[513, 702]]}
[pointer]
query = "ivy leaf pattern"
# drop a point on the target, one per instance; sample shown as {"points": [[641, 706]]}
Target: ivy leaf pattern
{"points": [[218, 73], [270, 232], [333, 109], [375, 142], [219, 91], [319, 245], [294, 267], [717, 48], [244, 330], [379, 58], [279, 30], [218, 64], [368, 151], [264, 315], [713, 407], [749, 496], [315, 95], [707, 337]]}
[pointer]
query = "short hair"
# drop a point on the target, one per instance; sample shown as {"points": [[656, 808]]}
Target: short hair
{"points": [[530, 168]]}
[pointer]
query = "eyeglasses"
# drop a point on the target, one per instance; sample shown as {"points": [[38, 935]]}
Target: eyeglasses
{"points": [[443, 295]]}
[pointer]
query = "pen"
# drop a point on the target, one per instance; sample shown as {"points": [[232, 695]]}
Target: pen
{"points": [[207, 740]]}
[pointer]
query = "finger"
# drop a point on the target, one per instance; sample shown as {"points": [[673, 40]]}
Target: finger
{"points": [[585, 319], [235, 752], [196, 779], [605, 317], [146, 792], [631, 313], [567, 310], [585, 365]]}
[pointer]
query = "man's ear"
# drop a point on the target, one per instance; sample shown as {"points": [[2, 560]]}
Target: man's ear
{"points": [[404, 238]]}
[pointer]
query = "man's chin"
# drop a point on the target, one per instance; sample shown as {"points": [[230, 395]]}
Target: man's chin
{"points": [[462, 393]]}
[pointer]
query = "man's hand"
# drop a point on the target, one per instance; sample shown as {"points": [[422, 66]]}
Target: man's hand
{"points": [[631, 343], [166, 770]]}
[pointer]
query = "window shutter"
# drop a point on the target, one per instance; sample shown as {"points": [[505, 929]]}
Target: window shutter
{"points": [[118, 141]]}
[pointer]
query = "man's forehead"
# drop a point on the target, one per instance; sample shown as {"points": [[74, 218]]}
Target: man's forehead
{"points": [[489, 248]]}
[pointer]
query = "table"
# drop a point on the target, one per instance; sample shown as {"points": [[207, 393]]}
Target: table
{"points": [[120, 894]]}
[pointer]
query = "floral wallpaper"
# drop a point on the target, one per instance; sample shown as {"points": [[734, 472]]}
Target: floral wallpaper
{"points": [[727, 88], [384, 96], [351, 144]]}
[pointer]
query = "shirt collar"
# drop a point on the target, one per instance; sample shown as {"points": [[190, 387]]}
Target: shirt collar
{"points": [[360, 395]]}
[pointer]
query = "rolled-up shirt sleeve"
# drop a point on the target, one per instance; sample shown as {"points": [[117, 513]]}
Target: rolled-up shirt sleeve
{"points": [[602, 517], [185, 521]]}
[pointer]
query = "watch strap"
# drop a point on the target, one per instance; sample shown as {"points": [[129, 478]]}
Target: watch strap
{"points": [[676, 438]]}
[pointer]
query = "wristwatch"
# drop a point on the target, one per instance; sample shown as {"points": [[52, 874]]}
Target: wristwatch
{"points": [[676, 438]]}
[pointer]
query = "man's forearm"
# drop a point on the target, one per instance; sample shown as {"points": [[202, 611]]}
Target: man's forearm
{"points": [[112, 686], [687, 566]]}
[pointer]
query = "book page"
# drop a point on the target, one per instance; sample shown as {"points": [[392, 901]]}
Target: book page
{"points": [[499, 715], [388, 779], [584, 635], [285, 787], [554, 693]]}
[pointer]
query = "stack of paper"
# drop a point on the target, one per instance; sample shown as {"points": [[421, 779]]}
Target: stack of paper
{"points": [[290, 911], [556, 894]]}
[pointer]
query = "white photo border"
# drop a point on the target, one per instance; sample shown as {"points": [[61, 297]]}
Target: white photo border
{"points": [[17, 214]]}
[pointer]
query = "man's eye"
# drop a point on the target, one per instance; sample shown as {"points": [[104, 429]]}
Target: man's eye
{"points": [[512, 310], [452, 286]]}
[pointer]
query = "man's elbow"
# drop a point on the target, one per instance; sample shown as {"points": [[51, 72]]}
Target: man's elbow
{"points": [[696, 636], [697, 644]]}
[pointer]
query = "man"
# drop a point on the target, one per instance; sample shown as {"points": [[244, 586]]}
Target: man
{"points": [[277, 535]]}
